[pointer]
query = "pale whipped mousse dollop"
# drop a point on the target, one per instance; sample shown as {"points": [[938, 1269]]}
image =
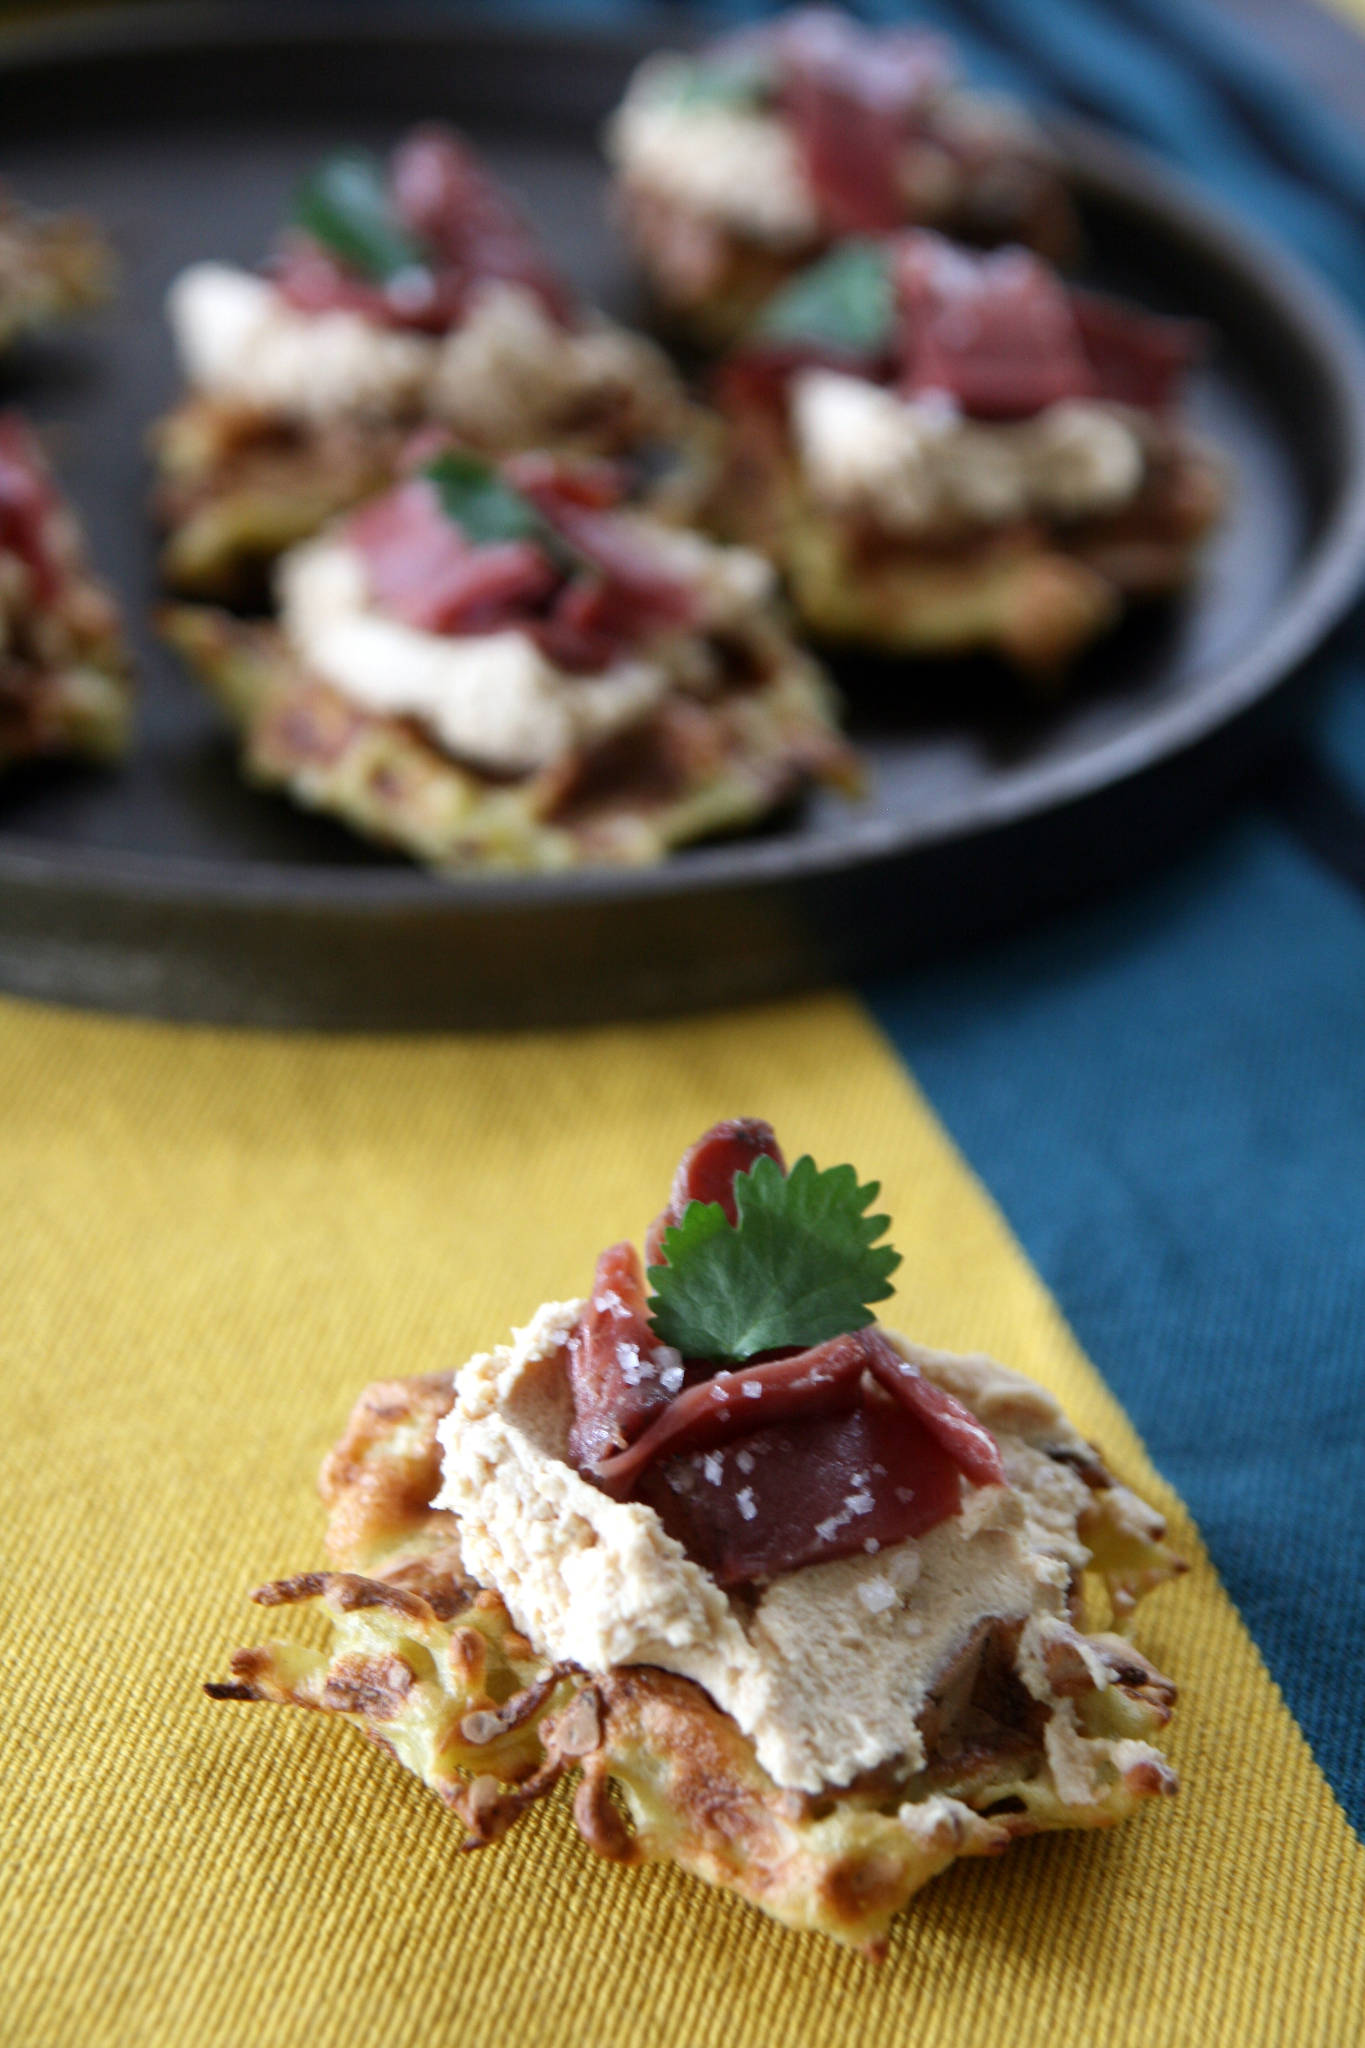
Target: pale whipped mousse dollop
{"points": [[507, 374], [731, 164], [913, 464], [495, 699], [720, 154], [827, 1668]]}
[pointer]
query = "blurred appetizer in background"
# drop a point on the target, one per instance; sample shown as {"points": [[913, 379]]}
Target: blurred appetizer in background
{"points": [[804, 1602], [737, 165], [51, 265], [397, 296], [65, 673], [948, 451], [503, 666]]}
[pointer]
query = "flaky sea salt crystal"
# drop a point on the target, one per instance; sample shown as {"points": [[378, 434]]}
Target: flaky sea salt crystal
{"points": [[744, 1501], [668, 1363], [713, 1465], [633, 1367], [877, 1595]]}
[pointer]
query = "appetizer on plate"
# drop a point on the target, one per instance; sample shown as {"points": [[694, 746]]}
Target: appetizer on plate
{"points": [[739, 164], [503, 666], [397, 297], [948, 451], [65, 675], [803, 1601], [51, 265]]}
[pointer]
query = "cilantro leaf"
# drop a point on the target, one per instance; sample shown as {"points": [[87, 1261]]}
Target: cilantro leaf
{"points": [[799, 1265], [482, 503], [479, 500], [738, 81], [344, 204], [844, 302]]}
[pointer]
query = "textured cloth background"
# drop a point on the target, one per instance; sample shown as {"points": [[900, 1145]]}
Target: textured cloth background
{"points": [[1168, 1098], [211, 1243]]}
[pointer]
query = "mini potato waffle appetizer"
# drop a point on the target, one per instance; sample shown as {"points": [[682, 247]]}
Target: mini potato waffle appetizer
{"points": [[737, 165], [51, 265], [501, 666], [949, 452], [65, 674], [801, 1602], [396, 297]]}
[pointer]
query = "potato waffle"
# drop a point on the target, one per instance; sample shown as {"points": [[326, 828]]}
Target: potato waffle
{"points": [[433, 1668]]}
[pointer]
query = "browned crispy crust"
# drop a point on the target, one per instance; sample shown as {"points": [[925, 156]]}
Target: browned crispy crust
{"points": [[79, 710], [433, 1669], [65, 670], [51, 265], [697, 768], [235, 488], [1035, 593]]}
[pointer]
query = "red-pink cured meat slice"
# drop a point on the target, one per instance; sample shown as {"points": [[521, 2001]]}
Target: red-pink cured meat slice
{"points": [[962, 1438], [483, 590], [785, 1461], [854, 98], [584, 607], [1000, 335], [625, 595], [471, 231], [1137, 358], [997, 333], [820, 1381], [567, 480], [817, 1382], [445, 195], [315, 281], [589, 624], [422, 569], [638, 575], [27, 505], [805, 1492], [618, 1377], [707, 1172]]}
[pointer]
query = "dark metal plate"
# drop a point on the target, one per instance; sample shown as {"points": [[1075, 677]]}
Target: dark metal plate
{"points": [[170, 888]]}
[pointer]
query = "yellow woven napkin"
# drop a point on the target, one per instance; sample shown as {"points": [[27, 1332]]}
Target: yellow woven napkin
{"points": [[210, 1243]]}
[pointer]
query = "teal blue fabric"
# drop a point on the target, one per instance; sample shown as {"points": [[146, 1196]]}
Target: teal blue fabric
{"points": [[1167, 1098], [1166, 1094]]}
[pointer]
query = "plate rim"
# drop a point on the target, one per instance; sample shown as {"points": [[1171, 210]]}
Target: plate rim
{"points": [[1322, 590]]}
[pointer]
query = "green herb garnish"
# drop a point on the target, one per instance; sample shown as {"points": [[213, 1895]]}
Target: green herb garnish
{"points": [[737, 83], [844, 302], [798, 1266], [481, 503], [345, 205], [488, 510]]}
